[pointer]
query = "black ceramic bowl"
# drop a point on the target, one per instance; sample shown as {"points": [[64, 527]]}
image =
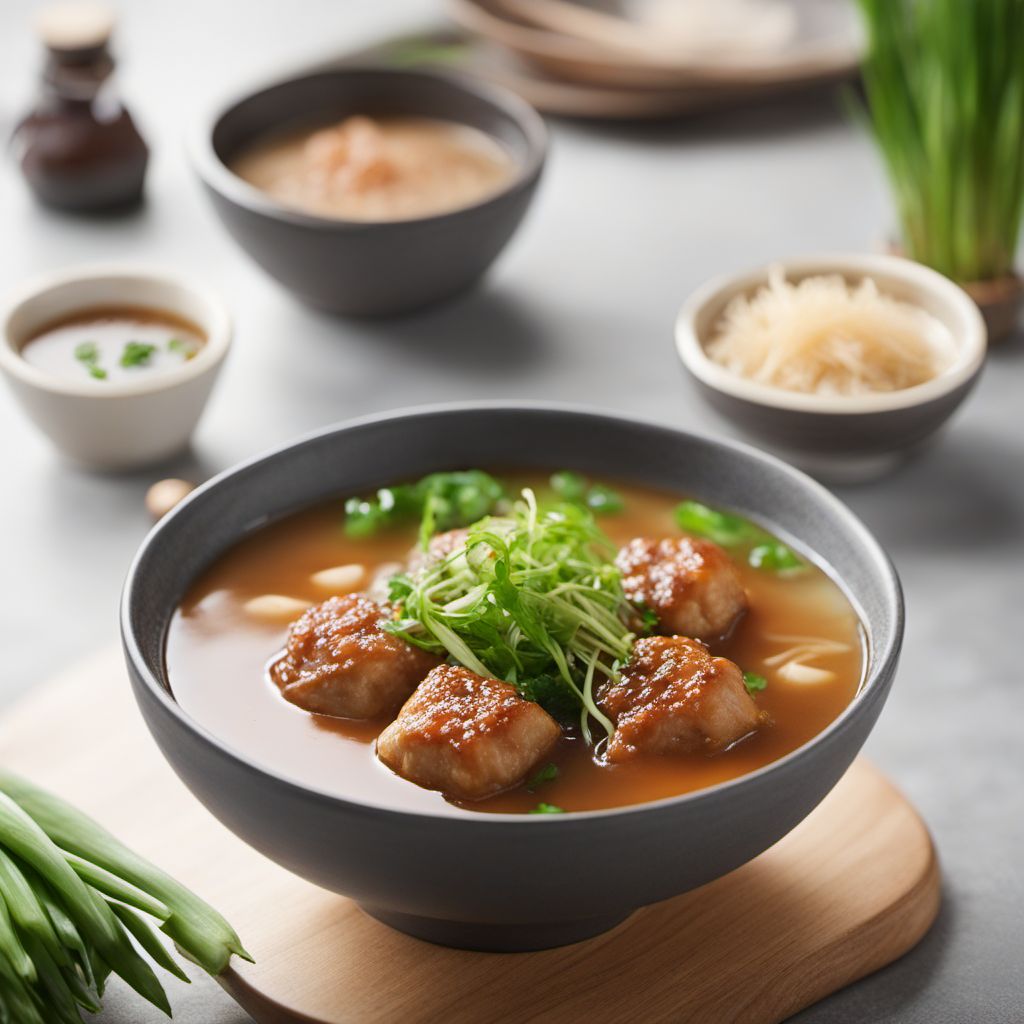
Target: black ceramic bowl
{"points": [[461, 879], [382, 267]]}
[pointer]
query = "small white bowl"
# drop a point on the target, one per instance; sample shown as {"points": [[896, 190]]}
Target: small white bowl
{"points": [[124, 424], [834, 436]]}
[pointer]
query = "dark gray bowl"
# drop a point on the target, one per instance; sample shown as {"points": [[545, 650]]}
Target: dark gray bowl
{"points": [[504, 882], [376, 268]]}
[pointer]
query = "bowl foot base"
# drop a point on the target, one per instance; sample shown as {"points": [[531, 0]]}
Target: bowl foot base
{"points": [[496, 938]]}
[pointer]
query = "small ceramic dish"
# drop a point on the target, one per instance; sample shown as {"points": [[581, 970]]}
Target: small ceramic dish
{"points": [[371, 268], [843, 438], [119, 424]]}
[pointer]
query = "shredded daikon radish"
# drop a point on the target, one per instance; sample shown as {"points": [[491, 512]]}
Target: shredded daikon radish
{"points": [[804, 675], [827, 337]]}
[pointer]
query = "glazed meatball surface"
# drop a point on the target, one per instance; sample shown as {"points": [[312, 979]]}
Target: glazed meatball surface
{"points": [[439, 547], [338, 661], [690, 585], [465, 735], [674, 697]]}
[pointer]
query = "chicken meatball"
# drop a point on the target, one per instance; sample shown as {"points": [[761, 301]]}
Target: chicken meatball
{"points": [[690, 585], [338, 661], [674, 697], [465, 735], [439, 547]]}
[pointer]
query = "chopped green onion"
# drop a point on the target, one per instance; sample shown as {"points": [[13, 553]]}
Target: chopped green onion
{"points": [[775, 557], [186, 349], [88, 354], [763, 551], [137, 353], [569, 486], [543, 808], [546, 774], [441, 501], [704, 521], [575, 487], [753, 682]]}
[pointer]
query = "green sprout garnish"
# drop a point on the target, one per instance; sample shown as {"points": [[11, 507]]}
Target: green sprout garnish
{"points": [[137, 353], [532, 597], [753, 682], [763, 551], [543, 808]]}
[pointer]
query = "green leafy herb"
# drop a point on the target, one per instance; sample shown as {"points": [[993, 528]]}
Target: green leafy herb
{"points": [[775, 557], [137, 353], [763, 551], [532, 597], [575, 487], [704, 521], [67, 889], [546, 774], [945, 95], [543, 808], [441, 501], [753, 682], [88, 354], [186, 349]]}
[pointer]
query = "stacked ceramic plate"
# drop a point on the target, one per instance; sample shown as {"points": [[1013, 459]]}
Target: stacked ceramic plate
{"points": [[648, 58]]}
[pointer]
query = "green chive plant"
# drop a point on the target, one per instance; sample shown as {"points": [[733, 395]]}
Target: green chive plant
{"points": [[945, 93]]}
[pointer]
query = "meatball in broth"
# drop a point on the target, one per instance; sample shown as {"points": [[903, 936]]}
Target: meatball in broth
{"points": [[466, 735], [338, 661], [690, 585], [673, 697]]}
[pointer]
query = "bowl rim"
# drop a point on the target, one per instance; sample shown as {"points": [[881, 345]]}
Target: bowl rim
{"points": [[218, 330], [970, 335], [873, 687], [216, 174]]}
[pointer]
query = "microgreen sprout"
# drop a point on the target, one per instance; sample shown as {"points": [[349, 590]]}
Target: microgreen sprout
{"points": [[532, 597]]}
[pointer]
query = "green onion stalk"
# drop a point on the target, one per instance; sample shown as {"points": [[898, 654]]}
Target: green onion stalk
{"points": [[76, 906]]}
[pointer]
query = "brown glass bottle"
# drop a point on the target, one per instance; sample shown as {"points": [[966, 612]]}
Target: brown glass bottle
{"points": [[79, 148]]}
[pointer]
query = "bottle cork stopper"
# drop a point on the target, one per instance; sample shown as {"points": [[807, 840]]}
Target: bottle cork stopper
{"points": [[75, 25]]}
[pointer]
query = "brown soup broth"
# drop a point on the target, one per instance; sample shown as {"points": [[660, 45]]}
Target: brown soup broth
{"points": [[217, 656]]}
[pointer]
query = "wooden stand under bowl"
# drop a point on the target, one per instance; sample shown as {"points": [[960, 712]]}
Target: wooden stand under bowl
{"points": [[851, 889]]}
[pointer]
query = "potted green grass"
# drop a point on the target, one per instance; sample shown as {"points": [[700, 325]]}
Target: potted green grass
{"points": [[944, 81]]}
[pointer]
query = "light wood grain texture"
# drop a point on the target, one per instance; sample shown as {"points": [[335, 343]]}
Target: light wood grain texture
{"points": [[851, 889]]}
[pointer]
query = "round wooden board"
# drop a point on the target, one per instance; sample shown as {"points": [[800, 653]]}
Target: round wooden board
{"points": [[848, 891]]}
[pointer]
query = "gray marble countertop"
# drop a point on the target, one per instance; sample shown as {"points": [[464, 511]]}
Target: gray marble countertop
{"points": [[627, 222]]}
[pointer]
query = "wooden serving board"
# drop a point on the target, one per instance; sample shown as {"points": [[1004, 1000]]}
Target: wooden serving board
{"points": [[848, 891]]}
